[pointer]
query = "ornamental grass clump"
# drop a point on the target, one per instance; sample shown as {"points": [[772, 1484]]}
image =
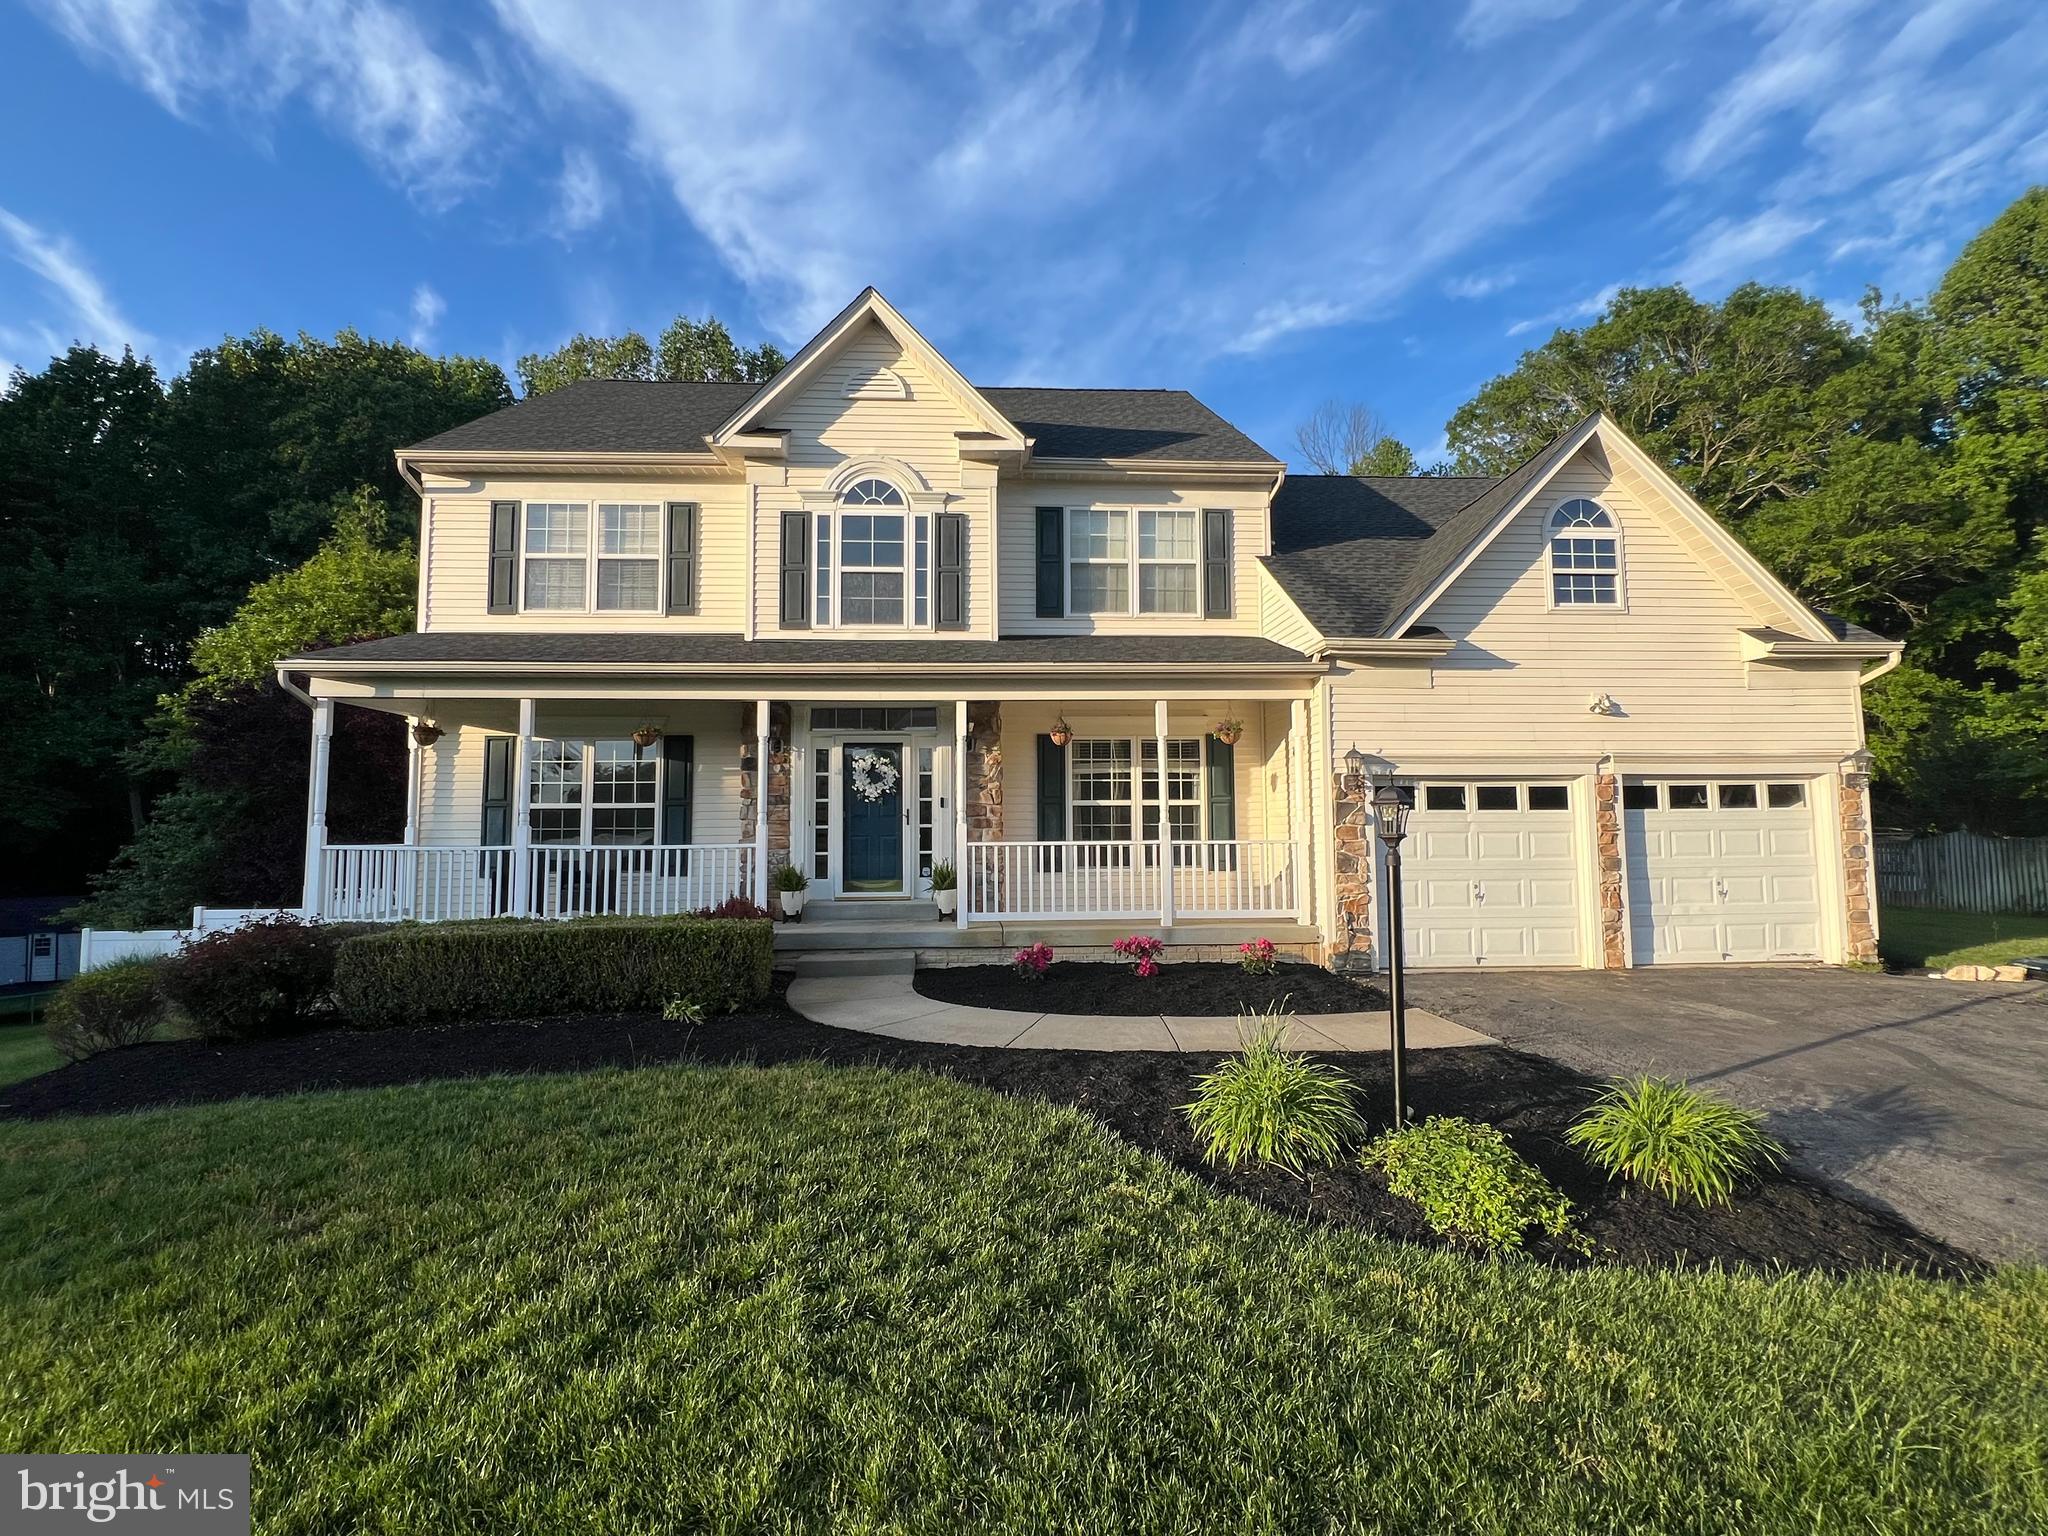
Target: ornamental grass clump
{"points": [[1472, 1186], [1265, 1104], [1678, 1140]]}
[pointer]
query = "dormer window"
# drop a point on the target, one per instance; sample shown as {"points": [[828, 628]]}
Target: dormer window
{"points": [[1585, 556]]}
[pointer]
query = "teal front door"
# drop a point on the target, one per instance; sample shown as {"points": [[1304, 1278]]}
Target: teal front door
{"points": [[874, 818]]}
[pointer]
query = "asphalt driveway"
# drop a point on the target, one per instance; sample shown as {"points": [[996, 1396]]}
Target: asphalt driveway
{"points": [[1926, 1097]]}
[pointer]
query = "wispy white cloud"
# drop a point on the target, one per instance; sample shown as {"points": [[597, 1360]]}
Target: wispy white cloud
{"points": [[582, 195], [1579, 309], [427, 309], [1733, 249], [1488, 21], [85, 311], [367, 69], [1482, 285]]}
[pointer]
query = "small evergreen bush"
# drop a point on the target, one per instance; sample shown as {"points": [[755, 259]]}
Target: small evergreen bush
{"points": [[520, 968], [1679, 1140], [1472, 1186], [1268, 1105], [259, 981], [122, 1003]]}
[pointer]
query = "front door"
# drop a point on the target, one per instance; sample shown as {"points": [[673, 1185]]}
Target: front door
{"points": [[874, 819]]}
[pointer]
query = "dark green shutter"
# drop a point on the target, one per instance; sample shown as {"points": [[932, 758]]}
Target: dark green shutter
{"points": [[682, 557], [504, 557], [1222, 795], [678, 755], [1216, 583], [796, 570], [1052, 559], [497, 817], [1052, 791], [951, 571]]}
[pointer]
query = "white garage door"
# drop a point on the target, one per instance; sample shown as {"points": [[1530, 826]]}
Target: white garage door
{"points": [[1489, 875], [1720, 869]]}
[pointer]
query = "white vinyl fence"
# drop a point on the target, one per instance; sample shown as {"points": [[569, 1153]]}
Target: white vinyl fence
{"points": [[1964, 872]]}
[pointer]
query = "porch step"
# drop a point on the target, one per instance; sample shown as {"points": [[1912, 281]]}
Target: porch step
{"points": [[896, 913], [857, 962]]}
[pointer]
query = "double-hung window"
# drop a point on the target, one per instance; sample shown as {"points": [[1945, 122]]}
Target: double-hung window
{"points": [[1102, 790], [1098, 561], [1143, 561], [1183, 798], [873, 560], [556, 779], [619, 789], [1104, 793], [1585, 556], [628, 557], [1167, 548], [557, 554], [871, 567]]}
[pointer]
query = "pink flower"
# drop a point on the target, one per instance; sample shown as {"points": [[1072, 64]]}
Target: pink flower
{"points": [[1143, 949]]}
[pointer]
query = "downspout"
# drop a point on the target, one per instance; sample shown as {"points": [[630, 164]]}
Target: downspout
{"points": [[285, 682], [1888, 664]]}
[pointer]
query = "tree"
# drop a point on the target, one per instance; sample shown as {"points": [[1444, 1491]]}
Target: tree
{"points": [[700, 350], [1342, 439]]}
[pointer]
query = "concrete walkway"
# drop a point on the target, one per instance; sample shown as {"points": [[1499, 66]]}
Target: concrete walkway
{"points": [[889, 1005]]}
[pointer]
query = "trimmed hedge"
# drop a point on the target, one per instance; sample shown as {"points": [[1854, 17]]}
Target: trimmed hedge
{"points": [[260, 981], [519, 968]]}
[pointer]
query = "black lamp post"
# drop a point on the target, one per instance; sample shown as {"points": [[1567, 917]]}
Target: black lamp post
{"points": [[1390, 807]]}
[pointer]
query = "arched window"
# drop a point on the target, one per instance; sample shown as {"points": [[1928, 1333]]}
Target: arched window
{"points": [[1585, 555], [872, 493], [872, 559]]}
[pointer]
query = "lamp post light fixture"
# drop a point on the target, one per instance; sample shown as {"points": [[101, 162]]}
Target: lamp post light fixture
{"points": [[1354, 770], [1390, 808]]}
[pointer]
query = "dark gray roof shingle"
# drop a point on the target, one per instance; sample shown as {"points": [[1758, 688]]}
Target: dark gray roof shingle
{"points": [[1343, 546], [671, 648], [636, 416]]}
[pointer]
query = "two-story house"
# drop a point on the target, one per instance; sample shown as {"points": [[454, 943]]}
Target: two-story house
{"points": [[1100, 651]]}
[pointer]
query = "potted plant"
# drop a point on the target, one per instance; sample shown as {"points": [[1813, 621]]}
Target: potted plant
{"points": [[945, 883], [425, 732], [1228, 731], [790, 885], [1061, 732], [644, 738]]}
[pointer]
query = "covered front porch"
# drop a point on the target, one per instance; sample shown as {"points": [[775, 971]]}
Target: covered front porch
{"points": [[1085, 814]]}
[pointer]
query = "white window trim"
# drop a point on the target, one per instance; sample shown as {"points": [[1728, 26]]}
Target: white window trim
{"points": [[587, 807], [1550, 536], [919, 532], [1133, 562], [592, 539]]}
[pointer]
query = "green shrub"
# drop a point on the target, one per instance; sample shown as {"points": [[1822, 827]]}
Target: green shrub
{"points": [[1677, 1139], [259, 981], [1471, 1185], [1271, 1106], [123, 1003], [517, 968]]}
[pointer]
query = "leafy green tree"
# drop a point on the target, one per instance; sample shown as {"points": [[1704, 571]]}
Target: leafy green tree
{"points": [[1389, 456], [1341, 439], [690, 349]]}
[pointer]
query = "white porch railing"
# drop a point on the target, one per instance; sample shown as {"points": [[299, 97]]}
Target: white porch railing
{"points": [[389, 883], [1237, 878]]}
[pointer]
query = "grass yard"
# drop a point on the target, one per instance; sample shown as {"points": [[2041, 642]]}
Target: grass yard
{"points": [[1923, 938], [25, 1051], [804, 1298]]}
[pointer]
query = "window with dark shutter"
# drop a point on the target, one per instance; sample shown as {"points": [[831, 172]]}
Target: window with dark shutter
{"points": [[1216, 576], [504, 586], [1222, 796], [1052, 562], [682, 557], [796, 570], [497, 809], [952, 571], [678, 758], [1052, 791]]}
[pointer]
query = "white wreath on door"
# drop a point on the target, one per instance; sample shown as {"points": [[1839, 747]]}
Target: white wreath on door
{"points": [[872, 775]]}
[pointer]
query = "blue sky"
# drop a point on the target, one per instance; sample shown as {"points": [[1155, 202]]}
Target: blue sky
{"points": [[1271, 203]]}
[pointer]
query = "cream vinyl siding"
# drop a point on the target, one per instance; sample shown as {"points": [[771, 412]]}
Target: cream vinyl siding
{"points": [[912, 442], [1018, 506], [1522, 674], [1024, 723], [452, 769], [458, 547], [1280, 620]]}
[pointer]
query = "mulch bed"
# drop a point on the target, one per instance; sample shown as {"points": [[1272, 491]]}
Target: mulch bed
{"points": [[1182, 988], [1786, 1221]]}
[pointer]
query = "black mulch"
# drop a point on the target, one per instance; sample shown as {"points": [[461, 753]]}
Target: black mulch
{"points": [[1182, 987], [1786, 1221]]}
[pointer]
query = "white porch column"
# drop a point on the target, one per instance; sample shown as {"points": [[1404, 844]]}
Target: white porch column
{"points": [[412, 783], [316, 802], [761, 776], [1165, 820], [963, 881], [522, 814], [1299, 819]]}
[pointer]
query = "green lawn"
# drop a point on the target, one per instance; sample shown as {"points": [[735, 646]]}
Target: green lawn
{"points": [[1923, 937], [25, 1051], [805, 1299]]}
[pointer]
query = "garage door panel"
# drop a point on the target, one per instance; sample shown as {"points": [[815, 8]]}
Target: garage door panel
{"points": [[1794, 891], [1690, 891], [1493, 887], [1689, 843], [1550, 845], [1740, 842], [1443, 896], [1445, 847], [1790, 843], [1745, 890], [1734, 881], [1552, 893]]}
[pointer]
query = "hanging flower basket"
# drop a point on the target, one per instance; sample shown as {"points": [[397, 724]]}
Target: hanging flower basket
{"points": [[1229, 731], [872, 775], [644, 738], [1061, 732], [426, 733]]}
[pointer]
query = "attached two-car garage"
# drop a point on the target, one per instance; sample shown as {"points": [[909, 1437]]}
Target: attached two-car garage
{"points": [[1716, 869]]}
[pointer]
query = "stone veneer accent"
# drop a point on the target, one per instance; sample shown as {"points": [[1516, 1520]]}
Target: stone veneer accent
{"points": [[1350, 947], [1856, 866], [1613, 885], [778, 785], [984, 806]]}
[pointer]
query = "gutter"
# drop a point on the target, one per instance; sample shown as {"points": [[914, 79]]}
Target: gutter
{"points": [[285, 682], [809, 668]]}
